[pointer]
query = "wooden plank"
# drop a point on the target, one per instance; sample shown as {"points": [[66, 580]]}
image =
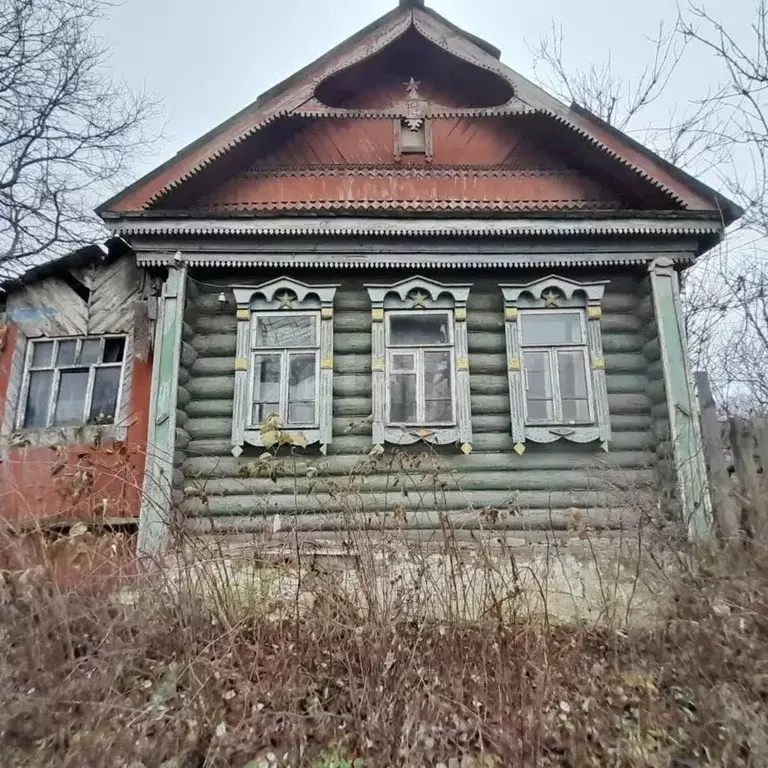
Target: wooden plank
{"points": [[156, 500], [724, 507]]}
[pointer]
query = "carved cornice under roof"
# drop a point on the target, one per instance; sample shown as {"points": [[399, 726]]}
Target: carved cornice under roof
{"points": [[404, 171], [404, 261], [415, 205], [148, 225]]}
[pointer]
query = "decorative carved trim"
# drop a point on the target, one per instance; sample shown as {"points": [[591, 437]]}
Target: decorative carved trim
{"points": [[458, 204], [373, 227], [277, 296], [370, 171], [546, 295], [424, 294]]}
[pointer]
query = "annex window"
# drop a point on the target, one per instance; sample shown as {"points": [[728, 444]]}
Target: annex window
{"points": [[556, 369], [419, 363], [72, 382], [284, 364]]}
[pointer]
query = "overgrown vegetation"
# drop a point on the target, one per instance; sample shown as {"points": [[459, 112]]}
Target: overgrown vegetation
{"points": [[251, 660]]}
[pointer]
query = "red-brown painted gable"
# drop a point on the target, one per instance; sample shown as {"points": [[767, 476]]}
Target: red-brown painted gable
{"points": [[349, 164]]}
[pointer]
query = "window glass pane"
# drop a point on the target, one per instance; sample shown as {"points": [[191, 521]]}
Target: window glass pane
{"points": [[66, 354], [402, 398], [576, 410], [106, 385], [409, 330], [114, 349], [301, 389], [38, 398], [538, 387], [555, 328], [573, 374], [266, 386], [437, 386], [403, 362], [285, 331], [90, 352], [70, 399], [42, 354]]}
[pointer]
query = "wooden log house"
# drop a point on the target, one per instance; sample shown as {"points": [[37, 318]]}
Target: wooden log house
{"points": [[407, 249]]}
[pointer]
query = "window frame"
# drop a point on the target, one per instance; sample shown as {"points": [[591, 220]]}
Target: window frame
{"points": [[275, 298], [419, 295], [21, 414], [552, 351], [285, 354], [552, 295], [418, 351]]}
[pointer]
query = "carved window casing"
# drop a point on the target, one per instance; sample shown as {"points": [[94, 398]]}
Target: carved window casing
{"points": [[284, 362], [555, 362], [420, 369]]}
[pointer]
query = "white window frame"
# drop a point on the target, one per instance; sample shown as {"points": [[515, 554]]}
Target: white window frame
{"points": [[551, 295], [283, 296], [418, 351], [56, 379], [285, 354], [417, 296], [551, 351]]}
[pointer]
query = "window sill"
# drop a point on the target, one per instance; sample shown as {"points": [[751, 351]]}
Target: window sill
{"points": [[50, 437]]}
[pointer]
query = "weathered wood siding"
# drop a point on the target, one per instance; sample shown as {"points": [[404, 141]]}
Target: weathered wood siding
{"points": [[549, 486]]}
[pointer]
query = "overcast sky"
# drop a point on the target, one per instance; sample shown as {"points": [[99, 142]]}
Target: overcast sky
{"points": [[207, 60]]}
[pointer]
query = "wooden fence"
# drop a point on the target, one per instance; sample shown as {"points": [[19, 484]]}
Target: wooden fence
{"points": [[736, 452]]}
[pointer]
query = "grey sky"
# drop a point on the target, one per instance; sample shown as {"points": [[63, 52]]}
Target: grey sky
{"points": [[206, 60]]}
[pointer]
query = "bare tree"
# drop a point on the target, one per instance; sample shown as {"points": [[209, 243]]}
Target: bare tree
{"points": [[66, 129], [722, 133]]}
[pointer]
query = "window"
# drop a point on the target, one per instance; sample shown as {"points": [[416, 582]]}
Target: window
{"points": [[419, 363], [72, 382], [555, 364], [286, 356], [420, 366], [284, 362], [556, 369]]}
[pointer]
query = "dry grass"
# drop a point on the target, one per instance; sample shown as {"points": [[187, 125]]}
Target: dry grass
{"points": [[203, 678]]}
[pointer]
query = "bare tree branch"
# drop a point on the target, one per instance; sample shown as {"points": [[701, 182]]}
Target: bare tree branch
{"points": [[65, 128]]}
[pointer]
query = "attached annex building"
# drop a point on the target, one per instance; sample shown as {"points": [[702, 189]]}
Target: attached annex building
{"points": [[404, 248]]}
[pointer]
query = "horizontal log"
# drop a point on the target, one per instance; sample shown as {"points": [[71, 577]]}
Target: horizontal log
{"points": [[493, 423], [188, 354], [613, 465], [513, 502], [656, 391], [426, 485], [652, 349], [427, 520]]}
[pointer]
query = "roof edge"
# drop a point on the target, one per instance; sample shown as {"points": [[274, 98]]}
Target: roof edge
{"points": [[731, 211]]}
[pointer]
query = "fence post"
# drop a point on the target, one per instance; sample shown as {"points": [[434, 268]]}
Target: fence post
{"points": [[724, 507]]}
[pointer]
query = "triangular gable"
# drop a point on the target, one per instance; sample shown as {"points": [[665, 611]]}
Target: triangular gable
{"points": [[297, 96]]}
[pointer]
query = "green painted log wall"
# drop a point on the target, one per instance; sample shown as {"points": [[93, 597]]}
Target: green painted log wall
{"points": [[491, 487]]}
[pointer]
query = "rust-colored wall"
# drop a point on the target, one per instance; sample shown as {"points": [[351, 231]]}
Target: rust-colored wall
{"points": [[478, 164], [82, 482]]}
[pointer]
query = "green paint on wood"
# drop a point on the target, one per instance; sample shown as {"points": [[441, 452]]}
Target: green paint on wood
{"points": [[681, 402], [156, 501]]}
